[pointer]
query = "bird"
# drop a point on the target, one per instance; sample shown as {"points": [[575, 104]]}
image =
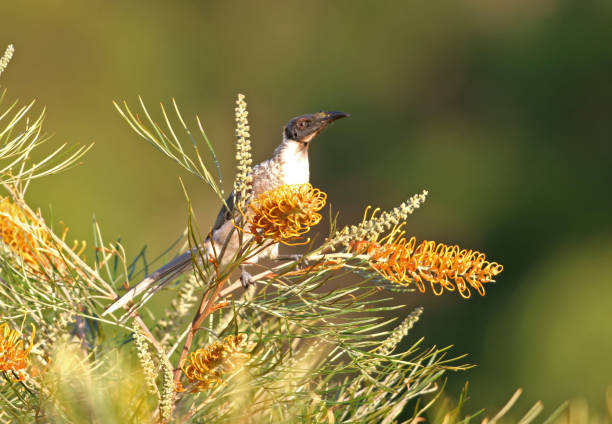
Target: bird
{"points": [[288, 165]]}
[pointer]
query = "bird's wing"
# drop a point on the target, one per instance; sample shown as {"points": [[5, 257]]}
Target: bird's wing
{"points": [[159, 278], [230, 212], [226, 213]]}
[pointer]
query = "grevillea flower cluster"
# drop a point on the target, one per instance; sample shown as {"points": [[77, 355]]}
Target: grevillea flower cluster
{"points": [[14, 358], [443, 267], [286, 213], [24, 235], [207, 366], [20, 233]]}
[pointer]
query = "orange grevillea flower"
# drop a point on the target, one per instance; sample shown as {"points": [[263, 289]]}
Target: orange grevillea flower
{"points": [[13, 357], [20, 233], [443, 267], [206, 366], [286, 213], [25, 235]]}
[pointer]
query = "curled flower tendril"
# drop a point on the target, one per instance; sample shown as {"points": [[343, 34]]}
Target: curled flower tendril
{"points": [[13, 356], [443, 267], [207, 365], [286, 213]]}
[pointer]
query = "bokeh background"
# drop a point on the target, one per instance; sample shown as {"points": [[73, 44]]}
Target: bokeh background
{"points": [[502, 110]]}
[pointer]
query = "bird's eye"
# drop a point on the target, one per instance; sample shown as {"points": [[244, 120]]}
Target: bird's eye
{"points": [[302, 125]]}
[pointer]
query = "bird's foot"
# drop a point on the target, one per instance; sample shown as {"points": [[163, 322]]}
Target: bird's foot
{"points": [[302, 262], [246, 279]]}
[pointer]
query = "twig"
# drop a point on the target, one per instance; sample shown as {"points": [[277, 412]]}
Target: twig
{"points": [[147, 332]]}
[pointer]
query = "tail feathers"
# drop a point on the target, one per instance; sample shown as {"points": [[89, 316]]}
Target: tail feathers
{"points": [[158, 279]]}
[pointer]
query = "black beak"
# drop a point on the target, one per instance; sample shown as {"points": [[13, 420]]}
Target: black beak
{"points": [[327, 118], [323, 119]]}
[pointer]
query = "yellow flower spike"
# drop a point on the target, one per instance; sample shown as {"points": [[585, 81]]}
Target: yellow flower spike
{"points": [[13, 357], [208, 365], [286, 213], [445, 268]]}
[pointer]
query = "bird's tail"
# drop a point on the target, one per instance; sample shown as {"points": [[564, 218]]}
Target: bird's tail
{"points": [[155, 281]]}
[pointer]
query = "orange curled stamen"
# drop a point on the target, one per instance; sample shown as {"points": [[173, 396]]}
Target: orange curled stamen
{"points": [[207, 366], [14, 358], [286, 213], [26, 235]]}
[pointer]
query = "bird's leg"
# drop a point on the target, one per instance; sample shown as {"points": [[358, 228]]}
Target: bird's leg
{"points": [[246, 279]]}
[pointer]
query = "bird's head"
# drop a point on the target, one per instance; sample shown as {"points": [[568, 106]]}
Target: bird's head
{"points": [[305, 128]]}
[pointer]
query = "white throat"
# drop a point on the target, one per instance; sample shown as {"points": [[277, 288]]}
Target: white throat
{"points": [[294, 163]]}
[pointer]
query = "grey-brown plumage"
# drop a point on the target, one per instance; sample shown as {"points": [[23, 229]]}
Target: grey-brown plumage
{"points": [[288, 165]]}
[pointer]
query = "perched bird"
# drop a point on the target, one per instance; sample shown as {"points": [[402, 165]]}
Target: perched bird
{"points": [[288, 165]]}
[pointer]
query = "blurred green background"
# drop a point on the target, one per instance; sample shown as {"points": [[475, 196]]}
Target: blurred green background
{"points": [[502, 110]]}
